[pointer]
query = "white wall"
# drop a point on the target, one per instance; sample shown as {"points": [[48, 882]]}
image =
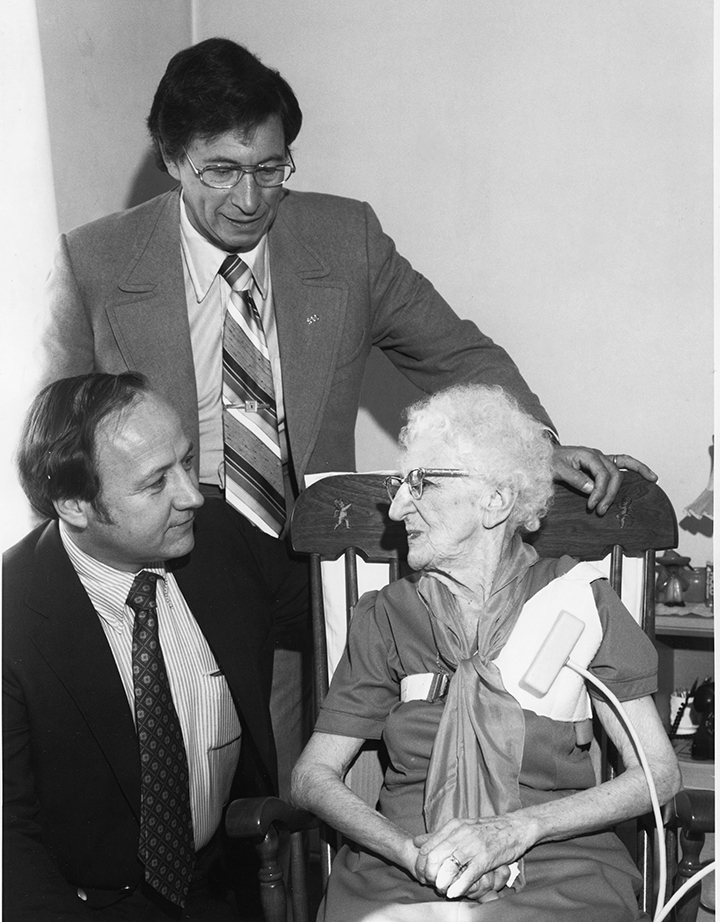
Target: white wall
{"points": [[547, 163], [27, 237], [103, 61]]}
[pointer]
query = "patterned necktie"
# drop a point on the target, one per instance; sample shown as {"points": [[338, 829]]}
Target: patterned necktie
{"points": [[167, 846], [253, 461]]}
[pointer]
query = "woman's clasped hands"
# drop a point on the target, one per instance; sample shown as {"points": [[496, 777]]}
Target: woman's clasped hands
{"points": [[470, 858]]}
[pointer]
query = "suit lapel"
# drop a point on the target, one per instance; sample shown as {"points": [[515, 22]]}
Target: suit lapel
{"points": [[310, 314], [73, 644]]}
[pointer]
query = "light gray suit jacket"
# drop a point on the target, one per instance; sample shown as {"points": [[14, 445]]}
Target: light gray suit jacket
{"points": [[117, 302]]}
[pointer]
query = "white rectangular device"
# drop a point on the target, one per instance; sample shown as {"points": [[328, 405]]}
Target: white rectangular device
{"points": [[553, 654]]}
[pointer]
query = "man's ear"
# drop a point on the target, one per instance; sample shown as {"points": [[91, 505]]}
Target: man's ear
{"points": [[74, 512], [171, 165], [497, 505]]}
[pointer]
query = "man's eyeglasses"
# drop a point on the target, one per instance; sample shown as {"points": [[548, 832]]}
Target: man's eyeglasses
{"points": [[415, 479], [227, 175]]}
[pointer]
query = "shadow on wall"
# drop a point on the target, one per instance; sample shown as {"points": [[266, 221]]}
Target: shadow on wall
{"points": [[386, 393], [149, 181], [699, 514], [697, 526]]}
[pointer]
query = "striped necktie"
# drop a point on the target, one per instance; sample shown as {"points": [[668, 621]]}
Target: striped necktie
{"points": [[167, 843], [253, 462]]}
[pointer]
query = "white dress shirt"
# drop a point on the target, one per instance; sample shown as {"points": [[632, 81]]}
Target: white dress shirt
{"points": [[208, 718]]}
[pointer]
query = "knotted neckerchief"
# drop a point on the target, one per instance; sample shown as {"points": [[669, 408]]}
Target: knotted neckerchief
{"points": [[475, 764]]}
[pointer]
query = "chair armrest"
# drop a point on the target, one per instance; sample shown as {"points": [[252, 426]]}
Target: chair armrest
{"points": [[695, 810], [253, 816], [262, 819]]}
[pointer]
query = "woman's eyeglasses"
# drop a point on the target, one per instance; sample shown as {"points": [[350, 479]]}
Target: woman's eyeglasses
{"points": [[415, 479]]}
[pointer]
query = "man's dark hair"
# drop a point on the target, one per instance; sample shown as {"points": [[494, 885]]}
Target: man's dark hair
{"points": [[56, 457], [214, 87]]}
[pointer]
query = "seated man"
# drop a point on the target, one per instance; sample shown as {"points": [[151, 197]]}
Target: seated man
{"points": [[136, 675]]}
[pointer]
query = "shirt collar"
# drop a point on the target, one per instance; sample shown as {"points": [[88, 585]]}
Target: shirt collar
{"points": [[106, 587], [203, 259]]}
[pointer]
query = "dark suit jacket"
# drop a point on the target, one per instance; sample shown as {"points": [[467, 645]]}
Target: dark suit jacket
{"points": [[71, 761], [117, 302]]}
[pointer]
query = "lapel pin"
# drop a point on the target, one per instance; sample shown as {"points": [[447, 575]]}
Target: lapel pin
{"points": [[312, 318]]}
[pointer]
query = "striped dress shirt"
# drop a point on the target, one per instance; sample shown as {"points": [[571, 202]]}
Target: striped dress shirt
{"points": [[208, 718], [208, 296]]}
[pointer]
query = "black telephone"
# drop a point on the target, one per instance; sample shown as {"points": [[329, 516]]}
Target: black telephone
{"points": [[703, 744]]}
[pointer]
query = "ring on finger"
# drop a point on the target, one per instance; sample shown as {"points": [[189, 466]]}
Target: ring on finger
{"points": [[458, 864], [614, 458]]}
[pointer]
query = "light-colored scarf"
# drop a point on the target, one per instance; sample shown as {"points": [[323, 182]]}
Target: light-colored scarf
{"points": [[475, 764], [476, 760]]}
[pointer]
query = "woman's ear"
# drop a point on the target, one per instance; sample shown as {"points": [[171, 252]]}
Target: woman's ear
{"points": [[497, 506]]}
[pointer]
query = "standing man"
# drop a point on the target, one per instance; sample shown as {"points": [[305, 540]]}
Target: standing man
{"points": [[253, 310], [136, 674]]}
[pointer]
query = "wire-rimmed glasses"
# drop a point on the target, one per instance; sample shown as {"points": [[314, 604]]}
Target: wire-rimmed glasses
{"points": [[228, 175], [415, 479]]}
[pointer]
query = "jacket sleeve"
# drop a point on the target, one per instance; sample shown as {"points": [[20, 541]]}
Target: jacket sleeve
{"points": [[34, 890], [67, 336], [424, 338]]}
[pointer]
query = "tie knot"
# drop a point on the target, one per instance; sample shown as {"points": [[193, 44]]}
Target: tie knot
{"points": [[142, 592], [236, 273]]}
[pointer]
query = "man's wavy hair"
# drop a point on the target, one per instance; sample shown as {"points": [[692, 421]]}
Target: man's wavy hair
{"points": [[487, 432], [214, 87], [56, 457]]}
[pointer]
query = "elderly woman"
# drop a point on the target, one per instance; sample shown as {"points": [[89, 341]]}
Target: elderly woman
{"points": [[490, 808]]}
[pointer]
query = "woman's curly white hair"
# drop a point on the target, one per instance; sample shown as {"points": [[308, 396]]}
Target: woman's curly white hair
{"points": [[487, 432]]}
